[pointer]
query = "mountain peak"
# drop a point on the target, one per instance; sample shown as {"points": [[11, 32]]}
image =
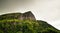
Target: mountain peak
{"points": [[27, 15], [28, 12]]}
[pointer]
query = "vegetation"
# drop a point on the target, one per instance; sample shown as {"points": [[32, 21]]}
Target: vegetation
{"points": [[25, 26], [11, 23]]}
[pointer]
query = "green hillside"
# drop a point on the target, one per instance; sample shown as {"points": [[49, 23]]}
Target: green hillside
{"points": [[26, 26], [10, 23]]}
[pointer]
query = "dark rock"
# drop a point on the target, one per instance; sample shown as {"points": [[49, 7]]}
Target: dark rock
{"points": [[27, 15]]}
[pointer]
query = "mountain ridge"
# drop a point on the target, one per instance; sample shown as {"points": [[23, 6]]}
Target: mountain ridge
{"points": [[21, 16], [24, 23]]}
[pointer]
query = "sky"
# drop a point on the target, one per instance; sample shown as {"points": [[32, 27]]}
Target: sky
{"points": [[46, 10]]}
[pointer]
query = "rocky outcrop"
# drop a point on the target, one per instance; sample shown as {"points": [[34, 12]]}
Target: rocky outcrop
{"points": [[27, 15], [21, 16]]}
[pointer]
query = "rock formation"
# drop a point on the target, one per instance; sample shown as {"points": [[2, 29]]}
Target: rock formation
{"points": [[21, 16], [27, 15]]}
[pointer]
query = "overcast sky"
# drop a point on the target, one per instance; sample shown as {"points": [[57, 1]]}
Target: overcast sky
{"points": [[47, 10]]}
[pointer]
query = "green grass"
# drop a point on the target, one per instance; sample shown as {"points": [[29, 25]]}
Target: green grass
{"points": [[10, 20], [25, 26]]}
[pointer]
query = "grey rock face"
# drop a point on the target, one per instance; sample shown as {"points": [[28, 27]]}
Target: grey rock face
{"points": [[27, 15]]}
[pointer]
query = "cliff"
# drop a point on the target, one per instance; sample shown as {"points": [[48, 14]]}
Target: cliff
{"points": [[27, 15]]}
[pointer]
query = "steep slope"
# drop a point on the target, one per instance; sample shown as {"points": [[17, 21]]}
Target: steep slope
{"points": [[24, 23]]}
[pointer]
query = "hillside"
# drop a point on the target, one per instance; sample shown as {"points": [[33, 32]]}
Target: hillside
{"points": [[24, 23]]}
